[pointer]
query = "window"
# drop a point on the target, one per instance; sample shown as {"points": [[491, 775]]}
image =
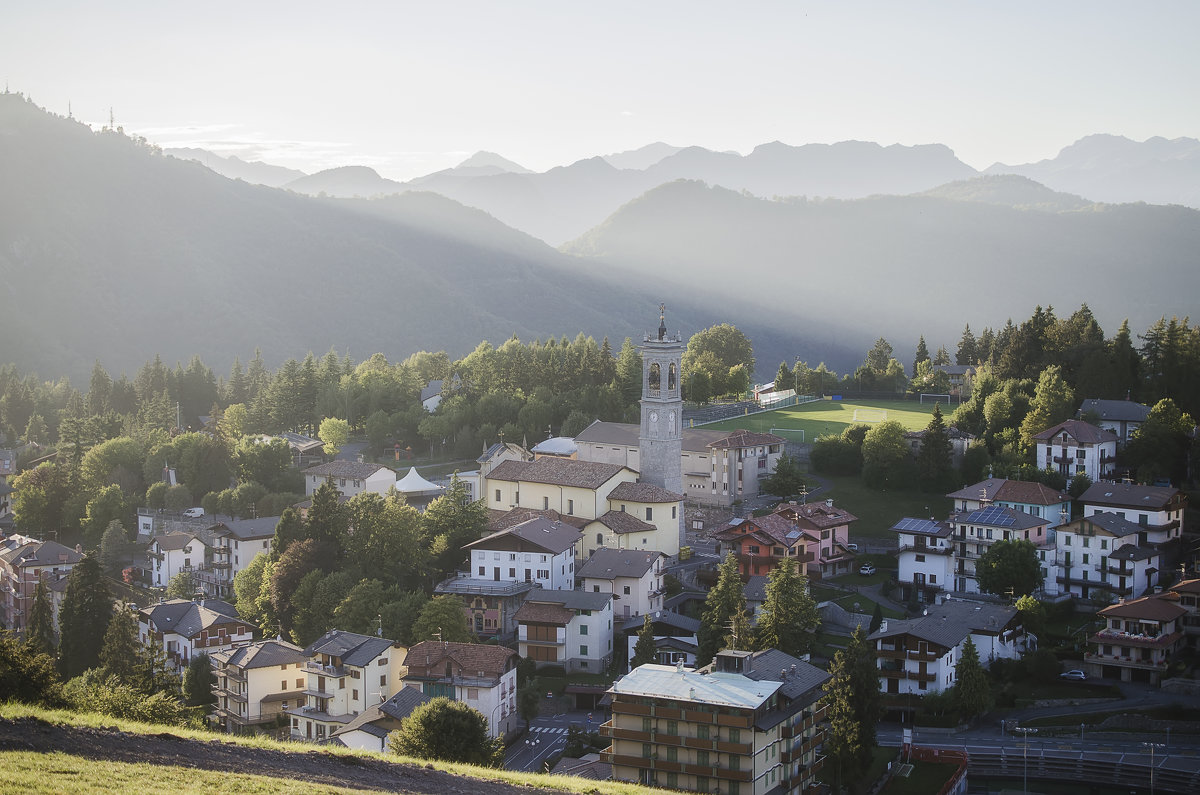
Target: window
{"points": [[1087, 542], [354, 694], [920, 558], [583, 629], [482, 571], [299, 684], [497, 495], [702, 758], [702, 732], [512, 573], [647, 749], [1066, 540], [283, 685], [342, 683], [674, 508], [600, 538], [626, 590], [649, 514], [383, 680], [1104, 543], [673, 730], [647, 724], [473, 693], [932, 579], [545, 503], [583, 651], [735, 735]]}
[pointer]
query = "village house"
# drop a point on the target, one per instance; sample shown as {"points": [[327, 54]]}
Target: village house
{"points": [[760, 542], [345, 674], [481, 676], [918, 655], [1138, 640], [369, 731], [974, 533], [25, 561], [1104, 552], [1188, 592], [675, 637], [234, 545], [925, 556], [1025, 496], [749, 724], [539, 551], [828, 531], [1122, 417], [959, 442], [573, 629], [350, 478], [172, 553], [632, 576], [1075, 447], [256, 683], [186, 628]]}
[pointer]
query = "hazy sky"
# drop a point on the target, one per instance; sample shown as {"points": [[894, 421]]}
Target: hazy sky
{"points": [[411, 88]]}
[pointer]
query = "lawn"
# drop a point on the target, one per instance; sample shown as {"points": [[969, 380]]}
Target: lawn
{"points": [[878, 511], [925, 777], [824, 417], [865, 604]]}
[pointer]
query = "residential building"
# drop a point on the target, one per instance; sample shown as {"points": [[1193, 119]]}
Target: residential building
{"points": [[233, 546], [632, 576], [483, 677], [1025, 496], [1122, 417], [257, 683], [828, 529], [706, 458], [1188, 592], [1139, 638], [1075, 447], [1157, 510], [925, 554], [573, 629], [186, 628], [760, 542], [918, 655], [8, 470], [175, 552], [369, 731], [24, 561], [960, 376], [749, 724], [539, 551], [675, 637], [350, 477], [973, 534], [345, 674], [1104, 552]]}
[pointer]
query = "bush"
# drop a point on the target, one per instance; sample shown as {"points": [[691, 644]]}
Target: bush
{"points": [[94, 692]]}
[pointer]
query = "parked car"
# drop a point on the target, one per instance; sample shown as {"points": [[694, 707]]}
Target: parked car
{"points": [[867, 569], [852, 547], [1074, 674], [194, 513]]}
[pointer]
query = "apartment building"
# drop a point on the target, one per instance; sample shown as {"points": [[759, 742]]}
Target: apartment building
{"points": [[256, 683], [482, 677]]}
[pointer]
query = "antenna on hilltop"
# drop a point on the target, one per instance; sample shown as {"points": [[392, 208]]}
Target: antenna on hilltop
{"points": [[69, 114], [112, 125]]}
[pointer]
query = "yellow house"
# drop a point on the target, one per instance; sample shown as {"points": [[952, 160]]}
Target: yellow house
{"points": [[571, 487], [639, 516]]}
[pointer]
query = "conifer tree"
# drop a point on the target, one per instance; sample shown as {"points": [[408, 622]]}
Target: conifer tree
{"points": [[39, 632], [972, 694], [198, 681], [966, 353], [866, 698], [644, 650], [83, 619], [843, 741], [934, 459], [784, 379], [121, 651], [789, 614], [725, 600], [922, 355]]}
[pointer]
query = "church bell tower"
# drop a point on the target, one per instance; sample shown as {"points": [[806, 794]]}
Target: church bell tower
{"points": [[660, 439]]}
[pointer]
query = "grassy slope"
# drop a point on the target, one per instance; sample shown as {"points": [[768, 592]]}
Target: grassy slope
{"points": [[65, 773]]}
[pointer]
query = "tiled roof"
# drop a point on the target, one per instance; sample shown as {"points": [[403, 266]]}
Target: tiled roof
{"points": [[554, 537], [571, 600], [1187, 586], [1133, 552], [819, 515], [396, 708], [1080, 431], [1153, 608], [350, 647], [188, 619], [774, 528], [1109, 522], [503, 520], [798, 677], [1003, 489], [664, 619], [261, 654], [557, 472], [643, 492], [1129, 495], [472, 657], [358, 470], [949, 623], [1115, 410], [742, 438], [247, 529], [173, 541], [41, 553], [623, 522], [542, 613], [608, 564]]}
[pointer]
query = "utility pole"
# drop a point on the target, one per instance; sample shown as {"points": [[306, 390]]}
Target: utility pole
{"points": [[1152, 746], [1025, 755]]}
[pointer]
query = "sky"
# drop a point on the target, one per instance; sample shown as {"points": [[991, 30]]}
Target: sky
{"points": [[409, 88]]}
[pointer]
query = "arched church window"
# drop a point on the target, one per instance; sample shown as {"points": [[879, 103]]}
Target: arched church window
{"points": [[654, 379], [671, 377]]}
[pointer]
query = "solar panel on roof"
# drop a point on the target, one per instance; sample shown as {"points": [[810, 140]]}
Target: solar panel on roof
{"points": [[912, 525], [993, 515]]}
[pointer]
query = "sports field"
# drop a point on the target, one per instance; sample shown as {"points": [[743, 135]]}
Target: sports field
{"points": [[823, 417]]}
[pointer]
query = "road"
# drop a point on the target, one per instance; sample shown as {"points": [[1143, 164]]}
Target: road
{"points": [[546, 737]]}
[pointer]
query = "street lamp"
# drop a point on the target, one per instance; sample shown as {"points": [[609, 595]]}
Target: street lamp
{"points": [[1152, 746], [1025, 732]]}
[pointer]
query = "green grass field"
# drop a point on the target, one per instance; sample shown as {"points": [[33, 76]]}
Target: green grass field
{"points": [[823, 417]]}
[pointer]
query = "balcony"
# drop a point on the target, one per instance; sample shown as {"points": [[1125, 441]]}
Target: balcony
{"points": [[328, 670], [925, 550], [1125, 662], [920, 677], [1117, 638]]}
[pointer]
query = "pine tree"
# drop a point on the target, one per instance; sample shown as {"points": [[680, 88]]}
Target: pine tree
{"points": [[866, 698], [784, 378], [934, 459], [966, 353], [922, 354], [112, 547], [789, 614], [39, 632], [972, 693], [83, 618], [843, 741], [452, 521], [644, 650], [741, 633], [198, 681], [725, 600], [1053, 402], [121, 650]]}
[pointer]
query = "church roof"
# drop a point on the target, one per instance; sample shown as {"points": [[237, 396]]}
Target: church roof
{"points": [[643, 492], [557, 472]]}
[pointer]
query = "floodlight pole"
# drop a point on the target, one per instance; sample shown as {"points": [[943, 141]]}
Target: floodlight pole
{"points": [[1025, 732], [1152, 746]]}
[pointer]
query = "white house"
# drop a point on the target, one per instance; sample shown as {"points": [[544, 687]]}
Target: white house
{"points": [[632, 576], [538, 551], [1025, 496], [918, 655], [350, 477], [257, 682], [346, 673], [175, 552], [481, 676], [1075, 447], [676, 637], [973, 534], [926, 558], [235, 544], [573, 629], [369, 731], [1105, 552], [1122, 417], [24, 562], [1158, 510], [186, 628]]}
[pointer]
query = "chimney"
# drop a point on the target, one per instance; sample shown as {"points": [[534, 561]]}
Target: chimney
{"points": [[829, 502], [679, 666], [883, 625]]}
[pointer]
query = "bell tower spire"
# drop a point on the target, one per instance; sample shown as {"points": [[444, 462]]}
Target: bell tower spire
{"points": [[660, 438]]}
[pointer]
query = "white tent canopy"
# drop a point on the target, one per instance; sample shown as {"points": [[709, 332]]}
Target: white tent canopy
{"points": [[412, 483]]}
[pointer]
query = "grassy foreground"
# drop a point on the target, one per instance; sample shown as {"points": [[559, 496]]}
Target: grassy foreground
{"points": [[61, 772]]}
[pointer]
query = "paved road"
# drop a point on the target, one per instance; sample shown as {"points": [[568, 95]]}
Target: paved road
{"points": [[546, 737]]}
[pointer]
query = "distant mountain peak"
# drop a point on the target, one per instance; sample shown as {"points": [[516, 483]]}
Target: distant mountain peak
{"points": [[643, 157], [491, 160]]}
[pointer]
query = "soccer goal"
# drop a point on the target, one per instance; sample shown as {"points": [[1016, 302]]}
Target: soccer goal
{"points": [[933, 398], [870, 415], [791, 434]]}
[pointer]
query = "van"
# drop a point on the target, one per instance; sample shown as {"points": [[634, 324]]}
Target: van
{"points": [[194, 513]]}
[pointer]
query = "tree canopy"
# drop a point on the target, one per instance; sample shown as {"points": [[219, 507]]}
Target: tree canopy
{"points": [[449, 731], [1009, 566]]}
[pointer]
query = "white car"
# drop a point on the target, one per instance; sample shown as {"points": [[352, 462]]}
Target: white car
{"points": [[867, 569], [194, 513], [1075, 674]]}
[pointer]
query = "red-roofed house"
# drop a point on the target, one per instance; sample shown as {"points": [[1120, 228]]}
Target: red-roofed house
{"points": [[1075, 447], [1138, 639]]}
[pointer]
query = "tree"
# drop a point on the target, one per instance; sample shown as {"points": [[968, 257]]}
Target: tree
{"points": [[972, 693], [789, 614], [38, 498], [266, 462], [107, 506], [248, 587], [27, 676], [1053, 402], [178, 497], [301, 558], [39, 631], [886, 460], [1033, 614], [784, 379], [112, 548], [879, 356], [725, 601], [1009, 566], [156, 494], [1159, 447], [921, 356], [716, 350], [443, 618], [334, 433], [389, 541], [786, 479], [866, 698], [967, 352], [121, 650], [644, 651], [843, 741], [449, 731], [83, 618], [182, 586], [934, 466], [452, 521], [198, 681]]}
